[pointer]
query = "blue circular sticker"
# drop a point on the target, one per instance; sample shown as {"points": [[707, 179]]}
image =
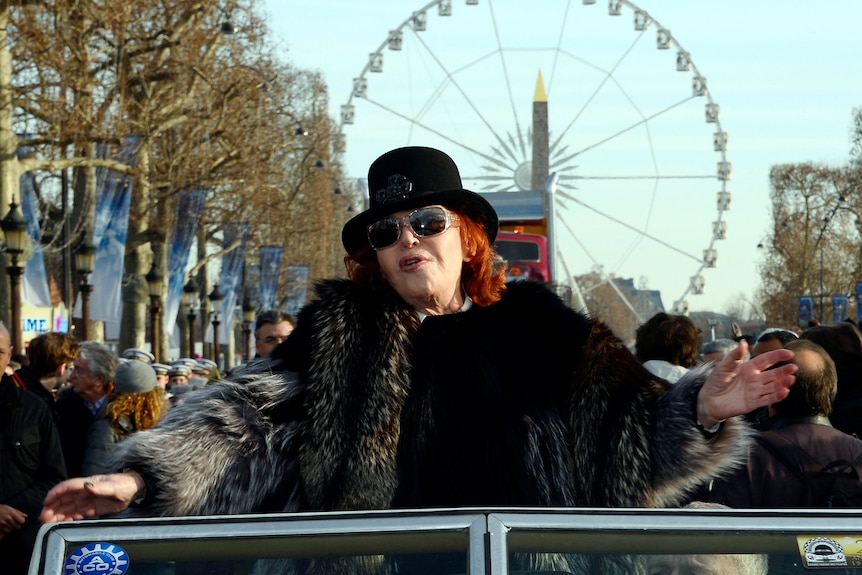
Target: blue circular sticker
{"points": [[97, 559]]}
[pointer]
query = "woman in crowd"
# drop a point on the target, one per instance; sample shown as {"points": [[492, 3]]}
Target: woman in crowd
{"points": [[137, 403]]}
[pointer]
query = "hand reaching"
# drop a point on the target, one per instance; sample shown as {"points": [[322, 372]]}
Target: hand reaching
{"points": [[87, 496], [736, 386]]}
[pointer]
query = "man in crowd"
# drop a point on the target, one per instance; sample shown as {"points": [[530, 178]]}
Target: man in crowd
{"points": [[785, 467], [31, 463], [91, 382], [50, 355], [271, 328]]}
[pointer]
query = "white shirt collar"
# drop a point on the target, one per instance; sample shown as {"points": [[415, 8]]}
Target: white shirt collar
{"points": [[468, 303]]}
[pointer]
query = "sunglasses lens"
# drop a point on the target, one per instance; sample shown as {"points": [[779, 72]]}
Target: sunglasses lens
{"points": [[424, 222], [428, 221], [383, 233]]}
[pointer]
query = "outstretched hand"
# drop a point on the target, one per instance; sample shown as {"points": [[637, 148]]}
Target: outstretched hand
{"points": [[83, 497], [737, 386]]}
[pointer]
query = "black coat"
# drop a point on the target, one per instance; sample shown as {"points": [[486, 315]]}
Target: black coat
{"points": [[74, 419], [767, 481], [524, 402], [31, 463]]}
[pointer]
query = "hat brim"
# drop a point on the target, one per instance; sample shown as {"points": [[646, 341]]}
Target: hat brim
{"points": [[354, 235]]}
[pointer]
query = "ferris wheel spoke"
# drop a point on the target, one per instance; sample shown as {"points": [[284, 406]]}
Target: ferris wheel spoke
{"points": [[414, 122], [505, 70], [628, 226], [643, 121], [609, 76], [450, 77]]}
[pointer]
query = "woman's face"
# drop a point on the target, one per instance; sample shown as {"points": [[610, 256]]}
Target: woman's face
{"points": [[425, 270]]}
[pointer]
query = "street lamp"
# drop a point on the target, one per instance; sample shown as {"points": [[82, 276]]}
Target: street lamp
{"points": [[189, 299], [249, 308], [155, 283], [85, 262], [215, 298], [15, 232]]}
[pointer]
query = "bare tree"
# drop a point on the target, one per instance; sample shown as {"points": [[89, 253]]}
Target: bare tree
{"points": [[813, 248], [210, 105]]}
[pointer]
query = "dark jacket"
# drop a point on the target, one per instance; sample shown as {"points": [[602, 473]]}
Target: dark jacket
{"points": [[33, 385], [102, 439], [767, 481], [31, 463], [524, 402], [73, 423], [847, 408]]}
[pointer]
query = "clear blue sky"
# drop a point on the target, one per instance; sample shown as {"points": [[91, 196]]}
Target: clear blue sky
{"points": [[786, 75]]}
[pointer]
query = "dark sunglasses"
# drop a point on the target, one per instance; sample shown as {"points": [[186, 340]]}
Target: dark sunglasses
{"points": [[423, 222]]}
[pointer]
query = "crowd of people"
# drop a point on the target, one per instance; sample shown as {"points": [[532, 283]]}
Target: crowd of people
{"points": [[66, 405], [409, 369]]}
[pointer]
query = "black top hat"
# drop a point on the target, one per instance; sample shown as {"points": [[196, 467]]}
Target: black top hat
{"points": [[412, 177]]}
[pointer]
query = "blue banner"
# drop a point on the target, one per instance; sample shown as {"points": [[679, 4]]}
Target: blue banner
{"points": [[839, 308], [270, 267], [297, 288], [110, 228], [35, 289], [806, 310], [231, 275], [251, 289], [187, 216]]}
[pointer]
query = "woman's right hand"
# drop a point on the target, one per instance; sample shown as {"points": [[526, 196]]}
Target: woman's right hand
{"points": [[83, 497]]}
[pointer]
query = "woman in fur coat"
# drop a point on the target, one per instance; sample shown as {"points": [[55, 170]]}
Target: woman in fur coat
{"points": [[426, 381]]}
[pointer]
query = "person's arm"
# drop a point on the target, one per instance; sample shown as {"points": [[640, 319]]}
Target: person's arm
{"points": [[222, 451]]}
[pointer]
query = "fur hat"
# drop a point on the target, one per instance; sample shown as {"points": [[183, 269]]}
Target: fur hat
{"points": [[134, 377], [413, 177]]}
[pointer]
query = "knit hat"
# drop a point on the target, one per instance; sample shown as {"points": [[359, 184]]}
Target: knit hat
{"points": [[134, 377]]}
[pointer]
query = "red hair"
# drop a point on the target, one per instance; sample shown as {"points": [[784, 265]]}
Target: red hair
{"points": [[483, 277]]}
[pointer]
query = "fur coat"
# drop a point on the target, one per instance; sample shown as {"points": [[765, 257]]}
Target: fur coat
{"points": [[522, 403]]}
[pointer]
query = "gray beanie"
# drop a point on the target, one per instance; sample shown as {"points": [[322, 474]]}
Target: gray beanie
{"points": [[134, 377]]}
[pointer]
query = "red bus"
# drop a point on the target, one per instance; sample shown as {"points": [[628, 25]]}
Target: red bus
{"points": [[526, 255]]}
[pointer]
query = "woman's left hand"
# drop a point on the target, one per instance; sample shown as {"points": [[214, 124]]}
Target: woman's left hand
{"points": [[737, 386]]}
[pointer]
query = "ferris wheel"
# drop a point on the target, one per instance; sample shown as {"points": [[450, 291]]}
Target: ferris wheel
{"points": [[634, 139]]}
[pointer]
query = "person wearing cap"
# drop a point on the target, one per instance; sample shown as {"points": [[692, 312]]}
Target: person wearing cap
{"points": [[178, 374], [161, 371], [136, 403], [138, 354], [424, 380], [209, 369]]}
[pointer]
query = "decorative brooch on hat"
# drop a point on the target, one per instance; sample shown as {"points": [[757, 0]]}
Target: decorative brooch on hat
{"points": [[398, 188]]}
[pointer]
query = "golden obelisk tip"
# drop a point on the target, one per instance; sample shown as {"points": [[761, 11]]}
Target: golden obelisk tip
{"points": [[540, 95]]}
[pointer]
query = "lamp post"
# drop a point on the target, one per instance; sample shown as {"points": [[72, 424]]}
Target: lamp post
{"points": [[249, 308], [819, 243], [85, 262], [155, 283], [216, 298], [189, 299], [15, 233]]}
